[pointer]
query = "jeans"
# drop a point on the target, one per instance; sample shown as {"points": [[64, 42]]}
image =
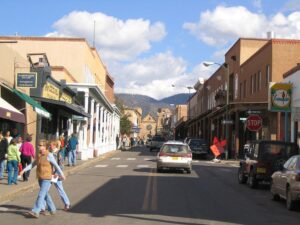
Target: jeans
{"points": [[25, 160], [2, 161], [44, 196], [72, 157], [12, 169]]}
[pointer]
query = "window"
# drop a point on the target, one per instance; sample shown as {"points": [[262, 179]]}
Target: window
{"points": [[267, 75], [252, 85], [259, 80], [241, 90], [245, 88]]}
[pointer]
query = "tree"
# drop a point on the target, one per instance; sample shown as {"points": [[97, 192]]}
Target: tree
{"points": [[125, 125]]}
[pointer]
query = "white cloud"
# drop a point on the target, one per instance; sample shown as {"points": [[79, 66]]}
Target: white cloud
{"points": [[154, 76], [258, 4], [225, 24], [118, 39]]}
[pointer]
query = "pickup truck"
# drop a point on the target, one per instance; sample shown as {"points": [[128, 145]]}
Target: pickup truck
{"points": [[157, 142]]}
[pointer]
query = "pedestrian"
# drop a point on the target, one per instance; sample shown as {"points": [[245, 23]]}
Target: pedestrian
{"points": [[13, 160], [54, 149], [62, 150], [8, 137], [72, 143], [117, 141], [44, 163], [15, 133], [27, 155], [19, 142], [3, 153]]}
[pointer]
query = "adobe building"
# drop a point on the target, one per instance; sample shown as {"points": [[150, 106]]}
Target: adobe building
{"points": [[250, 65], [180, 122], [148, 127], [135, 117]]}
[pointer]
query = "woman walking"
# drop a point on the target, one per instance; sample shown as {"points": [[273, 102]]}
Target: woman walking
{"points": [[27, 155], [13, 159], [3, 153], [44, 164], [55, 149]]}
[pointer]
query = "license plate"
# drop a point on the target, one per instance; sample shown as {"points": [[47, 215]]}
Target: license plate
{"points": [[261, 170], [174, 158]]}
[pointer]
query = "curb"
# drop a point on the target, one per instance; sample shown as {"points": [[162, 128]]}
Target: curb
{"points": [[30, 187]]}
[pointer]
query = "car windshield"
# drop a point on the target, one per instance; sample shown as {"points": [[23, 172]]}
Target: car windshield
{"points": [[277, 150], [197, 142], [175, 149]]}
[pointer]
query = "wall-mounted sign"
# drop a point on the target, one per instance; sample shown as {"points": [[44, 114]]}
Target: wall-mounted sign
{"points": [[280, 97], [50, 91], [26, 80], [254, 122], [66, 98]]}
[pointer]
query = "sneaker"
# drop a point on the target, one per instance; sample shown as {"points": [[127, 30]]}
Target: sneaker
{"points": [[31, 214], [52, 213], [67, 208]]}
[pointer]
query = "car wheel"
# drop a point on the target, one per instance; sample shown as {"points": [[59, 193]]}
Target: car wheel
{"points": [[290, 204], [241, 176], [158, 170], [275, 197], [252, 182], [189, 171]]}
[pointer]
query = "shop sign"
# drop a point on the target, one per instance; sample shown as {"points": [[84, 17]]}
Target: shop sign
{"points": [[280, 97], [50, 91], [27, 80], [66, 98], [254, 122]]}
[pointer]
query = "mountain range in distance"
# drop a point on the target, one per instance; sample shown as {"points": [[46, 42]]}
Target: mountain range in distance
{"points": [[151, 105]]}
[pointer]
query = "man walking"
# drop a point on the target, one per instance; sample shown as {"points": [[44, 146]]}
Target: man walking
{"points": [[73, 142]]}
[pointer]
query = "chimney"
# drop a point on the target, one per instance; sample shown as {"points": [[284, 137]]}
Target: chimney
{"points": [[270, 34]]}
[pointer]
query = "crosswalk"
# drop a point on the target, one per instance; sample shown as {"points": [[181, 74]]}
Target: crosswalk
{"points": [[121, 166]]}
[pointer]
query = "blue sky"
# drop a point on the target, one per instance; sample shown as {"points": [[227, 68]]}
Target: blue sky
{"points": [[148, 45]]}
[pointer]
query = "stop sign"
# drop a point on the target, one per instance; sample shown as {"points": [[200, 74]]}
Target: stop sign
{"points": [[254, 122]]}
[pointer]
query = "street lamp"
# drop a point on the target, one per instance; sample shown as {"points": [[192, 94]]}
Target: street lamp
{"points": [[225, 66]]}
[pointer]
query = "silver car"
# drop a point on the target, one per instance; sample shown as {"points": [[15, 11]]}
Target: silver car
{"points": [[286, 182], [174, 154]]}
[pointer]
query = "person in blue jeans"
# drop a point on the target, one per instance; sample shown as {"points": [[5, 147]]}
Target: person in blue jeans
{"points": [[44, 164], [3, 153], [72, 144], [13, 160]]}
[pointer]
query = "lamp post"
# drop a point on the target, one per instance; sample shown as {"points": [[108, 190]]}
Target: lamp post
{"points": [[225, 66]]}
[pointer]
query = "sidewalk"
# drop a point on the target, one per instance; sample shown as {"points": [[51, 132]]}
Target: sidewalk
{"points": [[8, 192]]}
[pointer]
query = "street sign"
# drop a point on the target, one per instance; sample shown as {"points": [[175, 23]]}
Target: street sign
{"points": [[227, 121], [27, 80], [254, 122]]}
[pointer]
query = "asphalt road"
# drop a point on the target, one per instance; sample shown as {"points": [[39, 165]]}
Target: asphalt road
{"points": [[126, 189]]}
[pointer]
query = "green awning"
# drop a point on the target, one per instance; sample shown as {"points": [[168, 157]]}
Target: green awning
{"points": [[35, 105]]}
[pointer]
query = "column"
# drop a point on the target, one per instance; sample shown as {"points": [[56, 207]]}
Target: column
{"points": [[80, 135], [101, 126], [97, 126], [104, 126], [86, 109], [70, 127], [91, 144]]}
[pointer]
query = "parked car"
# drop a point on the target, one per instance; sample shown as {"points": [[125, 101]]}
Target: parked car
{"points": [[157, 142], [148, 142], [176, 155], [199, 147], [262, 159], [286, 182]]}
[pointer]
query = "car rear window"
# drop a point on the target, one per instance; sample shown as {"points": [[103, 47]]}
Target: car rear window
{"points": [[175, 149], [197, 142], [271, 150]]}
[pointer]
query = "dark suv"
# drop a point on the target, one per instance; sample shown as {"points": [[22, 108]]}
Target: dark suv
{"points": [[262, 159], [199, 147]]}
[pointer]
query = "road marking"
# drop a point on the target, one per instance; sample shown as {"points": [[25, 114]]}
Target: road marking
{"points": [[143, 166], [131, 158], [147, 159], [115, 159], [3, 209], [101, 166], [122, 166], [151, 191]]}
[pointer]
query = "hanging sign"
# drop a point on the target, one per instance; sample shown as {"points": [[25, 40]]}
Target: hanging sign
{"points": [[280, 97]]}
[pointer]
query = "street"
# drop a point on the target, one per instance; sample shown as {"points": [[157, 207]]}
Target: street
{"points": [[125, 189]]}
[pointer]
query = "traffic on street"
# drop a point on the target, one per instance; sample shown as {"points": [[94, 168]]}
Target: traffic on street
{"points": [[126, 189]]}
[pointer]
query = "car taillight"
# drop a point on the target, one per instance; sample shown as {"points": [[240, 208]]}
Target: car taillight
{"points": [[161, 154], [297, 177], [189, 155]]}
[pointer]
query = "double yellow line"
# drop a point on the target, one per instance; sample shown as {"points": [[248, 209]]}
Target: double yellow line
{"points": [[151, 192]]}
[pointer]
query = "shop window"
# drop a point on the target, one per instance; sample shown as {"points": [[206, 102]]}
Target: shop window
{"points": [[251, 85], [241, 90], [259, 80], [245, 88], [267, 75]]}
